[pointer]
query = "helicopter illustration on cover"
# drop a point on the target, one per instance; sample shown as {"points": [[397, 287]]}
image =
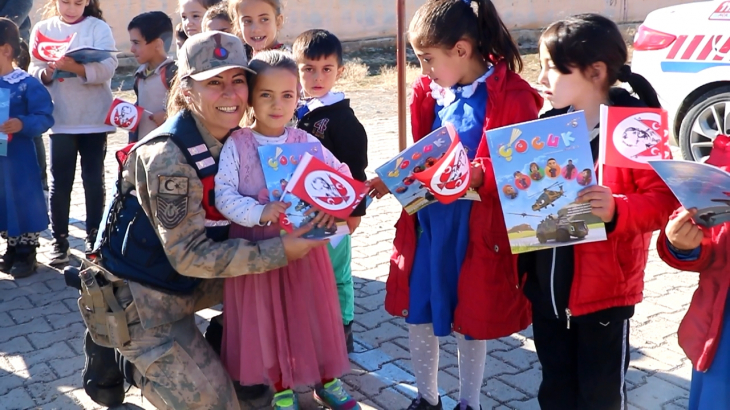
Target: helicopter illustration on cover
{"points": [[548, 197], [557, 228]]}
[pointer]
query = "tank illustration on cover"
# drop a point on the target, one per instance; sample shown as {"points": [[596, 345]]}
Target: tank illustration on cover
{"points": [[558, 228]]}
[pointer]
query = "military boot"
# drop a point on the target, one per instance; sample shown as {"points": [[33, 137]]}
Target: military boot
{"points": [[7, 260], [103, 382]]}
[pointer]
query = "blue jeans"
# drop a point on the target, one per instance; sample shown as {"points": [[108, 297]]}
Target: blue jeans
{"points": [[64, 148]]}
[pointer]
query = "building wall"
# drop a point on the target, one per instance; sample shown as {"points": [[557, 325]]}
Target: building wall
{"points": [[368, 19]]}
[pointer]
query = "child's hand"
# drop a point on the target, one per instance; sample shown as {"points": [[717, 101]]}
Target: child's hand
{"points": [[353, 223], [682, 233], [477, 176], [601, 200], [321, 220], [47, 74], [377, 188], [11, 126], [70, 65], [272, 210], [159, 117]]}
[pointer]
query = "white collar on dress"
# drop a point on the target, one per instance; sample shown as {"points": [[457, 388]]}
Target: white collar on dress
{"points": [[16, 76], [445, 96]]}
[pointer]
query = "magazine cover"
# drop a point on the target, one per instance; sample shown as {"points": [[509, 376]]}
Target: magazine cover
{"points": [[633, 136], [279, 163], [4, 117], [326, 189], [83, 55], [437, 149], [698, 185], [540, 166]]}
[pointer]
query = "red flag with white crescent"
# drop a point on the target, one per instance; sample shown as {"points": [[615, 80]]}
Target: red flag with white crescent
{"points": [[448, 178], [124, 115], [633, 136], [48, 49]]}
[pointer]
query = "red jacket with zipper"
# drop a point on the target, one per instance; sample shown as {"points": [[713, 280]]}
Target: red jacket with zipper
{"points": [[491, 303], [700, 330]]}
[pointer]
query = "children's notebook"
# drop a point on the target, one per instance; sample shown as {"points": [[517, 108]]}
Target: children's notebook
{"points": [[698, 185], [540, 166], [398, 173], [279, 163]]}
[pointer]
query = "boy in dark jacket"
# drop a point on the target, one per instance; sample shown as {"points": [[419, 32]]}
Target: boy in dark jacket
{"points": [[327, 115]]}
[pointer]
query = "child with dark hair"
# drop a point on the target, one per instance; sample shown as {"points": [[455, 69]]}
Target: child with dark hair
{"points": [[327, 115], [451, 269], [218, 19], [584, 295], [180, 36], [23, 212], [151, 36]]}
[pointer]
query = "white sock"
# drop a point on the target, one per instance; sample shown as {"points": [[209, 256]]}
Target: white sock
{"points": [[425, 361], [472, 359]]}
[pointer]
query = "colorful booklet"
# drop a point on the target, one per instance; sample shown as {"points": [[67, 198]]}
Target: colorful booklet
{"points": [[4, 117], [48, 49], [279, 163], [398, 173], [633, 136], [540, 166], [326, 189], [698, 185]]}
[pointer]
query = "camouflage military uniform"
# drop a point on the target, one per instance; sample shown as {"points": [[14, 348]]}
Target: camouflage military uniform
{"points": [[178, 365]]}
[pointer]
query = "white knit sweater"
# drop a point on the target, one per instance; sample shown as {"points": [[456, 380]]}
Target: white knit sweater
{"points": [[80, 104]]}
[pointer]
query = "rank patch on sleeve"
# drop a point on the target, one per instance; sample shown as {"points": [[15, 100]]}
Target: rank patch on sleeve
{"points": [[172, 201]]}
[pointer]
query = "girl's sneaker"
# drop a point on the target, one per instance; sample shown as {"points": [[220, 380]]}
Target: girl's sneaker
{"points": [[419, 403], [334, 396], [285, 400]]}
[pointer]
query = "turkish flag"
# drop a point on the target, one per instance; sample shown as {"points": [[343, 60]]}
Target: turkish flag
{"points": [[448, 178], [630, 137], [331, 192], [124, 115], [48, 49]]}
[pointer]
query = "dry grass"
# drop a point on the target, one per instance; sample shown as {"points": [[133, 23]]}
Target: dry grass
{"points": [[357, 77]]}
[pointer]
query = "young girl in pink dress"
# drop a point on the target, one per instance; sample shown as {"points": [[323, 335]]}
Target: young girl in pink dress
{"points": [[283, 327]]}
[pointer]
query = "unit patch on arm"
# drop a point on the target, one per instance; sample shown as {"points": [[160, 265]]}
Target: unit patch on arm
{"points": [[172, 201]]}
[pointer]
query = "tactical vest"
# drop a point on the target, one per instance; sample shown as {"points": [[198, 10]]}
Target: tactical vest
{"points": [[129, 246]]}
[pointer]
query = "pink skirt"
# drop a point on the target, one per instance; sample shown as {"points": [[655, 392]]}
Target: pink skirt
{"points": [[284, 325]]}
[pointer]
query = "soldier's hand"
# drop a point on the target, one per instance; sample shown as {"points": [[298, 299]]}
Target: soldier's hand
{"points": [[296, 247], [682, 233], [272, 210]]}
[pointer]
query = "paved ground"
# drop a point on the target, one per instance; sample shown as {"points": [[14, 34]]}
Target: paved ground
{"points": [[41, 331]]}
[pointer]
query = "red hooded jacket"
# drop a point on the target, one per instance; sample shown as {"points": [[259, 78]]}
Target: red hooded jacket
{"points": [[700, 330], [491, 303]]}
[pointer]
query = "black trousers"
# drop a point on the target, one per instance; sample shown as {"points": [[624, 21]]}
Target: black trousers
{"points": [[64, 151], [584, 367]]}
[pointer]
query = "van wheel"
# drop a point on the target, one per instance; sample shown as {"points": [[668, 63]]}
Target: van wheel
{"points": [[708, 116]]}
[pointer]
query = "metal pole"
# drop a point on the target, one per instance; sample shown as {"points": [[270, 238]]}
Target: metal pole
{"points": [[401, 67]]}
